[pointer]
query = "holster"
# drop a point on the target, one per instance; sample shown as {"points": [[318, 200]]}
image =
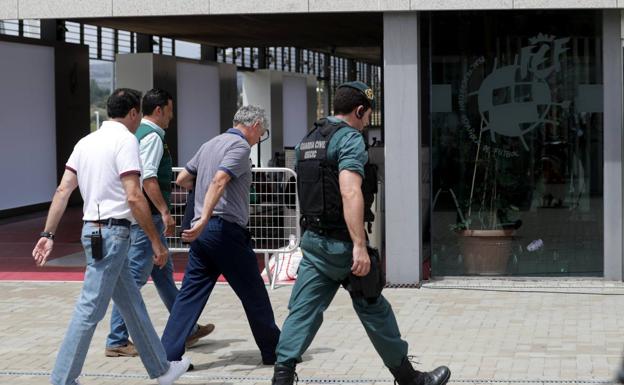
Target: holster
{"points": [[369, 286]]}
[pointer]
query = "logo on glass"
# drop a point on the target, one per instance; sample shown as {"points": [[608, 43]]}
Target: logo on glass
{"points": [[513, 100]]}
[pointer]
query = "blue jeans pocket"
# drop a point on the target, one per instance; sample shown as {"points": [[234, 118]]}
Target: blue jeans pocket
{"points": [[122, 233]]}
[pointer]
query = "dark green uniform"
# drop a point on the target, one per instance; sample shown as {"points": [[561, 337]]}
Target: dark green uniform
{"points": [[325, 265]]}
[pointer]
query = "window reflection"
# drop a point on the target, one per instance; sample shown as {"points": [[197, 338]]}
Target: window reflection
{"points": [[516, 143]]}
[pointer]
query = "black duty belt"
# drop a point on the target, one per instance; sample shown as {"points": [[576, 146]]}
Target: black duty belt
{"points": [[112, 222], [338, 234]]}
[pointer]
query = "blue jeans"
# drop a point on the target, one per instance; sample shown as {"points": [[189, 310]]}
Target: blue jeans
{"points": [[141, 267], [222, 248], [104, 279]]}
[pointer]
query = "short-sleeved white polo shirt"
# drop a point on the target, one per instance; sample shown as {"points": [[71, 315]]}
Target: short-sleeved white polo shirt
{"points": [[99, 160]]}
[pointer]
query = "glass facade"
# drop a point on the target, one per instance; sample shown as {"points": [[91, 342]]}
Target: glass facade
{"points": [[515, 129]]}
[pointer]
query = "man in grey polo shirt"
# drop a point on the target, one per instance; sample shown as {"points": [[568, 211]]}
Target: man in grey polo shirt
{"points": [[221, 243]]}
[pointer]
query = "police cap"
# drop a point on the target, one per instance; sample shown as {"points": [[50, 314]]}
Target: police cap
{"points": [[363, 88]]}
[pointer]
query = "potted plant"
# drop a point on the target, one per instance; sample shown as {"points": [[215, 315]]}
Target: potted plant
{"points": [[484, 228]]}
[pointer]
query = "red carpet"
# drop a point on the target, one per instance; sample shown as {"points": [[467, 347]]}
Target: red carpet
{"points": [[17, 239]]}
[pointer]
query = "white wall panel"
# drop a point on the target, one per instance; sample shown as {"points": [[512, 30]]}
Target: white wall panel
{"points": [[295, 109], [27, 125], [198, 107]]}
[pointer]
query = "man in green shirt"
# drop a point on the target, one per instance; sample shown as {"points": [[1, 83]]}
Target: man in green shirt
{"points": [[330, 169], [156, 174]]}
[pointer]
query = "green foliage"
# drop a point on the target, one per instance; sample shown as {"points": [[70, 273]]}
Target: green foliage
{"points": [[99, 96]]}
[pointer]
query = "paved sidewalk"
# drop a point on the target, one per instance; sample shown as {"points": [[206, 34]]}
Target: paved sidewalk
{"points": [[487, 331]]}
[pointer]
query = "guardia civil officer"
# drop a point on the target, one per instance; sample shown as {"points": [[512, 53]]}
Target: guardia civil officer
{"points": [[331, 161]]}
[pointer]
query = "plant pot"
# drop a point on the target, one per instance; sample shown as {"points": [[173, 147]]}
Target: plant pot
{"points": [[485, 252]]}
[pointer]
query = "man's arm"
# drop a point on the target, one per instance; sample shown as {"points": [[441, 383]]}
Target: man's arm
{"points": [[151, 151], [185, 179], [152, 189], [141, 212], [353, 208], [43, 248], [214, 193]]}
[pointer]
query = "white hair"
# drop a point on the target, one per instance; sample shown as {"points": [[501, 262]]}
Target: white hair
{"points": [[248, 115]]}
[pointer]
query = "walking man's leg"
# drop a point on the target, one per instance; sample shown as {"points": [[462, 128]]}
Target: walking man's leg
{"points": [[240, 267], [132, 308], [140, 260], [100, 279], [163, 276], [381, 326], [311, 296], [199, 280]]}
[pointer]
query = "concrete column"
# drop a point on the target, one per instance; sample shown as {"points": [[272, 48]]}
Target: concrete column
{"points": [[613, 175], [402, 141], [289, 108], [144, 71], [263, 88]]}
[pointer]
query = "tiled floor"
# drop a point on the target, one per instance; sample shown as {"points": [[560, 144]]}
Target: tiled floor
{"points": [[488, 332]]}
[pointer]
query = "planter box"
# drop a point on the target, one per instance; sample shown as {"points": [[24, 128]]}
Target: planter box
{"points": [[485, 252]]}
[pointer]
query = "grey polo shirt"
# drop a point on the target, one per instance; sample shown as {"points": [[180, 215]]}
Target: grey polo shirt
{"points": [[227, 152]]}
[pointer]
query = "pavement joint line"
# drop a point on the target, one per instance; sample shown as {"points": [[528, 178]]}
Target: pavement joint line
{"points": [[312, 380], [532, 289], [438, 286]]}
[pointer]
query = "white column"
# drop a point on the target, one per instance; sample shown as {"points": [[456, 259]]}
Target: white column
{"points": [[613, 176], [198, 107], [402, 145], [257, 89]]}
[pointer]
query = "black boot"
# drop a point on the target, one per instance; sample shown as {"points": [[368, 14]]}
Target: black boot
{"points": [[284, 375], [620, 376], [406, 375]]}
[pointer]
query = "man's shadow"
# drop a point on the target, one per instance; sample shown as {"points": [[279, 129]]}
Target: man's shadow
{"points": [[249, 358]]}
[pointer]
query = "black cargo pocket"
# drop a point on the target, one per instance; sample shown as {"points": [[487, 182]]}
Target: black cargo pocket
{"points": [[310, 188]]}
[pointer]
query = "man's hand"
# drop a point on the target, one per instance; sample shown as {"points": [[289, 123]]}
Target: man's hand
{"points": [[191, 234], [161, 253], [185, 179], [42, 250], [361, 261], [170, 224]]}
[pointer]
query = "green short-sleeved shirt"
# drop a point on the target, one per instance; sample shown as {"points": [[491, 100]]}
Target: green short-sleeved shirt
{"points": [[347, 146]]}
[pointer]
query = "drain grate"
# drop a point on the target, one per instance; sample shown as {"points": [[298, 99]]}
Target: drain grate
{"points": [[309, 380]]}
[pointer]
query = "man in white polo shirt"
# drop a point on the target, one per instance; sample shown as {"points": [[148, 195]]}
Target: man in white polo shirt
{"points": [[105, 165]]}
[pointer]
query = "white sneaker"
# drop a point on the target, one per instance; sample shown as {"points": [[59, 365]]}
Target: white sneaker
{"points": [[176, 369]]}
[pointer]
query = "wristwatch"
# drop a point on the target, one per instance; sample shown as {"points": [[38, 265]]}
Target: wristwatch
{"points": [[47, 234]]}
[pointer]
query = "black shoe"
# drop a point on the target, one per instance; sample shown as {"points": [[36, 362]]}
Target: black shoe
{"points": [[406, 375], [438, 376], [190, 368], [620, 376], [284, 375]]}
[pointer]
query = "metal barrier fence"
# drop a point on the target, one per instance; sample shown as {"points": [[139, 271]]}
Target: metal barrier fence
{"points": [[273, 214]]}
